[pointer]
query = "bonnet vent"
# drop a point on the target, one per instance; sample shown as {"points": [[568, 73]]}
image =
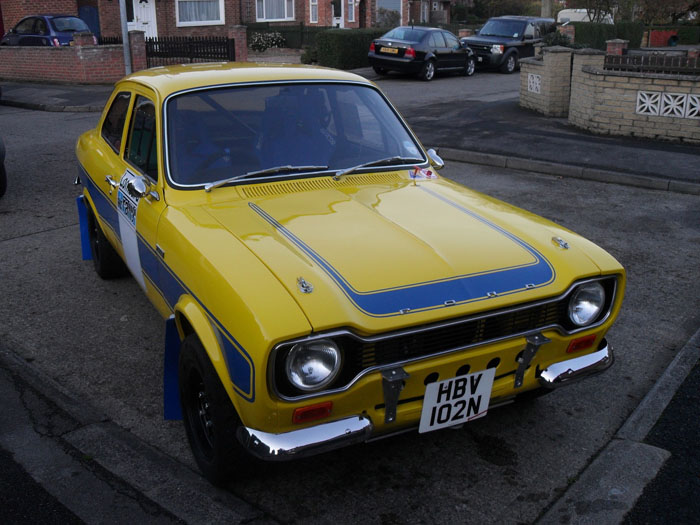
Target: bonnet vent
{"points": [[321, 183]]}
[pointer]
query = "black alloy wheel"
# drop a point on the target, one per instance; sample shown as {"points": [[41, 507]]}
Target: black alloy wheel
{"points": [[211, 421]]}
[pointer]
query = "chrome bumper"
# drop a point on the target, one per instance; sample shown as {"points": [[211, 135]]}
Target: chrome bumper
{"points": [[565, 372], [305, 441]]}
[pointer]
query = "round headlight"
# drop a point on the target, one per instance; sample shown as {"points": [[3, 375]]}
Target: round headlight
{"points": [[313, 365], [586, 303]]}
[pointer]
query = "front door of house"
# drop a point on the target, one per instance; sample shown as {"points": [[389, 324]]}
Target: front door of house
{"points": [[142, 17], [337, 6]]}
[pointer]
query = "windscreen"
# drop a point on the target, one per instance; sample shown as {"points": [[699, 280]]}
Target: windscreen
{"points": [[219, 133], [503, 28], [405, 33]]}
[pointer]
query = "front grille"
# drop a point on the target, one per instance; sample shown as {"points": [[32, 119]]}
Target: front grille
{"points": [[480, 48], [366, 353], [468, 333]]}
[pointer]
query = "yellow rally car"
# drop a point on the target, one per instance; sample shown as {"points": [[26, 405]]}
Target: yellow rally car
{"points": [[322, 284]]}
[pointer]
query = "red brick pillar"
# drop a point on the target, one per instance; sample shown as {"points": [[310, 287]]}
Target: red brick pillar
{"points": [[617, 46], [465, 32], [568, 30], [137, 43], [84, 39], [238, 33], [694, 52]]}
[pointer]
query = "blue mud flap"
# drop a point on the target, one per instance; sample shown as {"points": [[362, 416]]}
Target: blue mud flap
{"points": [[171, 390], [84, 230]]}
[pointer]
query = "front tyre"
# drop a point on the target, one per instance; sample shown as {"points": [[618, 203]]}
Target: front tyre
{"points": [[210, 418], [510, 65], [470, 67], [428, 71]]}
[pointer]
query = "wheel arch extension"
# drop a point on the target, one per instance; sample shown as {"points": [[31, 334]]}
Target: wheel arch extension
{"points": [[188, 319]]}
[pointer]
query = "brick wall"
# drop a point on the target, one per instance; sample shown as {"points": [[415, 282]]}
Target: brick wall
{"points": [[623, 103], [14, 10], [84, 64], [545, 83]]}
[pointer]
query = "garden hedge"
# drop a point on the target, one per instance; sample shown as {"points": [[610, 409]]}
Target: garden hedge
{"points": [[345, 48]]}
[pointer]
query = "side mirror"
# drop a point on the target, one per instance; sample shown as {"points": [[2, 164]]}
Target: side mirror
{"points": [[435, 159], [140, 187]]}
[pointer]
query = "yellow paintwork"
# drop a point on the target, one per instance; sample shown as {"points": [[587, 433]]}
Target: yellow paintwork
{"points": [[238, 273]]}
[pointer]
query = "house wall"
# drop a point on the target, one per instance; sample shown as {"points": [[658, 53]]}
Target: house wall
{"points": [[14, 10]]}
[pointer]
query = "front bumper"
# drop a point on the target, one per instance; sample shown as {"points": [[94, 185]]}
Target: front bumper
{"points": [[336, 434]]}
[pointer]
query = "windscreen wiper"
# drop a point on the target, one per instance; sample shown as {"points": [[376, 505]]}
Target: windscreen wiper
{"points": [[267, 171], [381, 162]]}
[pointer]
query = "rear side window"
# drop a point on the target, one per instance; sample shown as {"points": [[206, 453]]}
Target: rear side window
{"points": [[436, 40], [141, 148], [113, 126], [451, 41]]}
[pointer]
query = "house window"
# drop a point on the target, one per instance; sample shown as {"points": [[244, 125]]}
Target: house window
{"points": [[273, 10], [313, 11], [351, 10], [199, 12]]}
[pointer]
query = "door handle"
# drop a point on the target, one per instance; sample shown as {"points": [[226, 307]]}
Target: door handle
{"points": [[112, 183]]}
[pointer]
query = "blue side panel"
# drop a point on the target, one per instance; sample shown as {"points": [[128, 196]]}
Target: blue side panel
{"points": [[84, 230], [240, 369], [171, 391]]}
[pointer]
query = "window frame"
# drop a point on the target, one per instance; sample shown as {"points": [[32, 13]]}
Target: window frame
{"points": [[312, 4], [287, 18], [351, 10], [129, 94], [221, 21], [138, 99]]}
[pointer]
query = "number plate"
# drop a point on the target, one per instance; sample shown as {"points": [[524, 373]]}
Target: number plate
{"points": [[457, 400], [391, 50], [480, 59]]}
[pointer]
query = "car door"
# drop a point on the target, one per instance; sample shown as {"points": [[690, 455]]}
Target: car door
{"points": [[438, 47], [139, 196], [457, 54], [24, 33]]}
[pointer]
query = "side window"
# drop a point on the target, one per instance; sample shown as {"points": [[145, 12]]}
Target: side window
{"points": [[530, 31], [451, 41], [113, 126], [141, 147], [40, 27], [436, 40], [26, 26]]}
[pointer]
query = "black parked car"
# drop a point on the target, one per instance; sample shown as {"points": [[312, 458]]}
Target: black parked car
{"points": [[421, 50], [504, 40]]}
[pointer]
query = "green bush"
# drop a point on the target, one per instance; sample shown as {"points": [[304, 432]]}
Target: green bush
{"points": [[689, 35], [632, 31], [593, 34], [310, 55], [263, 41], [345, 48]]}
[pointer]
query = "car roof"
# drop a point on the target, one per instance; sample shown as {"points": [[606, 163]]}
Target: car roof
{"points": [[524, 18], [167, 80], [420, 28]]}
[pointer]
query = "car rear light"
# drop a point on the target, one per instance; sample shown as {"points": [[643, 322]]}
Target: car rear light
{"points": [[312, 412], [56, 42], [371, 47], [410, 53], [580, 344]]}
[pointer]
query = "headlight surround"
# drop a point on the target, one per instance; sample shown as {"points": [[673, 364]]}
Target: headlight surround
{"points": [[586, 303], [497, 49], [312, 365]]}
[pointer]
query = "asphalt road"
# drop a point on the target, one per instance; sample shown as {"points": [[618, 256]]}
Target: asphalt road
{"points": [[102, 343]]}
